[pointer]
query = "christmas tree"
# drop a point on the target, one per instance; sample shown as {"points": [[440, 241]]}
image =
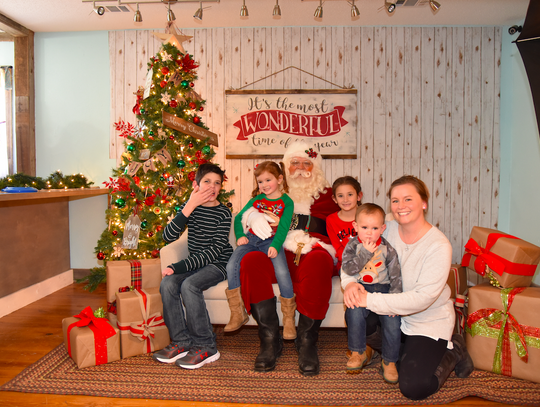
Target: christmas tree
{"points": [[162, 153]]}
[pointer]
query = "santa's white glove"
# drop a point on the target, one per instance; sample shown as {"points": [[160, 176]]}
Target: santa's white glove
{"points": [[258, 223]]}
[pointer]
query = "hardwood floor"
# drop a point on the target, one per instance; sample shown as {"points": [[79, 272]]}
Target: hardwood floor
{"points": [[30, 333]]}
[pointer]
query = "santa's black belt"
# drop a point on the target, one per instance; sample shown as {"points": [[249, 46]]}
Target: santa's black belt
{"points": [[309, 223]]}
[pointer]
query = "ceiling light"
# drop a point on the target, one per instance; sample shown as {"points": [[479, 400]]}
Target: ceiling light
{"points": [[354, 10], [319, 11], [137, 17], [390, 7], [277, 9], [170, 14], [434, 5], [244, 10], [99, 10], [198, 13]]}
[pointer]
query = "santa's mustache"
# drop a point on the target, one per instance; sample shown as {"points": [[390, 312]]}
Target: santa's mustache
{"points": [[300, 173]]}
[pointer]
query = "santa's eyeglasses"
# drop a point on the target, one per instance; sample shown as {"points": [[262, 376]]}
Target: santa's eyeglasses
{"points": [[301, 164]]}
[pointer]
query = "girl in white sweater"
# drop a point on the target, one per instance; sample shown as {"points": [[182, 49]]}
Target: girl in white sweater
{"points": [[429, 351]]}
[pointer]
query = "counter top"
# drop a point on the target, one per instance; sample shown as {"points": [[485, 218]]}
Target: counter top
{"points": [[70, 194]]}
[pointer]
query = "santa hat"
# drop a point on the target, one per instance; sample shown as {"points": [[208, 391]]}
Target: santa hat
{"points": [[302, 150]]}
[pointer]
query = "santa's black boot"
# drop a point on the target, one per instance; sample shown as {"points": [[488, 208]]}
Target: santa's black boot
{"points": [[266, 316], [306, 345]]}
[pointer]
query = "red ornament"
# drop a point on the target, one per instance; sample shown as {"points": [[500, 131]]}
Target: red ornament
{"points": [[193, 105], [150, 234], [201, 108], [166, 175], [198, 154], [163, 84], [190, 145], [133, 194], [155, 253], [192, 84], [196, 119], [164, 70], [101, 256], [191, 176], [171, 137], [115, 233], [159, 228], [137, 180], [173, 103]]}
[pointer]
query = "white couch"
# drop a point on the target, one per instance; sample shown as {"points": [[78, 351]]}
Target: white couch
{"points": [[216, 300]]}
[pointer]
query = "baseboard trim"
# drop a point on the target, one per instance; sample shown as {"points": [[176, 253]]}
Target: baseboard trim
{"points": [[28, 295]]}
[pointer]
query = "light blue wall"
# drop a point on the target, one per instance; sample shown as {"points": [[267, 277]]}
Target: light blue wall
{"points": [[72, 132], [520, 150], [73, 123]]}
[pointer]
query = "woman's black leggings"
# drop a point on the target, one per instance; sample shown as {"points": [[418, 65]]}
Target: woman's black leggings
{"points": [[419, 358]]}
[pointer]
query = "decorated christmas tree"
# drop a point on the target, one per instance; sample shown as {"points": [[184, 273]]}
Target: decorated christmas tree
{"points": [[162, 153]]}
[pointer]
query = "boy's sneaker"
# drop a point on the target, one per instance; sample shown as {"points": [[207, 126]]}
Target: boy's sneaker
{"points": [[198, 357], [170, 354]]}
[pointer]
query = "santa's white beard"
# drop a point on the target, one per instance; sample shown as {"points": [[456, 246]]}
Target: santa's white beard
{"points": [[305, 187]]}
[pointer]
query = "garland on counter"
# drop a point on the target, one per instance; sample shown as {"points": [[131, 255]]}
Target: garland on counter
{"points": [[56, 180]]}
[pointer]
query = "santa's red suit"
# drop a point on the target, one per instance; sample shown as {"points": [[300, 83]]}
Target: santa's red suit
{"points": [[311, 278]]}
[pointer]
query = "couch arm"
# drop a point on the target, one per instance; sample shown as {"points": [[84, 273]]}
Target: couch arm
{"points": [[174, 252]]}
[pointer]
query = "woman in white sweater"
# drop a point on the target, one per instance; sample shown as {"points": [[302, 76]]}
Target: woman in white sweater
{"points": [[429, 352]]}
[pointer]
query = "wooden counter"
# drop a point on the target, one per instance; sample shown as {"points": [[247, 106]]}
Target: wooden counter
{"points": [[34, 235]]}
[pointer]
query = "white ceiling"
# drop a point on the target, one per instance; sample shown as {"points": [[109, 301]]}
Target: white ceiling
{"points": [[74, 15]]}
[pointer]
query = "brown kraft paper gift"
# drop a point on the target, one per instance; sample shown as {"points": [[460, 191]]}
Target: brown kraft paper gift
{"points": [[81, 343], [510, 261], [119, 275], [486, 314], [457, 281], [140, 320]]}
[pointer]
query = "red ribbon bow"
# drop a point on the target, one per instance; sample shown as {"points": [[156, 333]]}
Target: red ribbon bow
{"points": [[144, 330], [100, 327], [484, 257]]}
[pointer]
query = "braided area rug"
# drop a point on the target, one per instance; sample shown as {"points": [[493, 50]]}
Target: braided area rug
{"points": [[232, 379]]}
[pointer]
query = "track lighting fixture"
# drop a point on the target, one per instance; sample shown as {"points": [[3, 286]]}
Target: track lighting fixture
{"points": [[319, 11], [170, 14], [137, 17], [435, 6], [277, 9], [244, 10], [198, 13], [354, 10], [390, 7], [98, 10]]}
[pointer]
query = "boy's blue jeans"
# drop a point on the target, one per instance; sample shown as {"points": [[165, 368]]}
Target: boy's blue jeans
{"points": [[391, 328], [192, 327], [254, 244]]}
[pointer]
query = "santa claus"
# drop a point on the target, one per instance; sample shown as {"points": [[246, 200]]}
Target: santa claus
{"points": [[310, 257]]}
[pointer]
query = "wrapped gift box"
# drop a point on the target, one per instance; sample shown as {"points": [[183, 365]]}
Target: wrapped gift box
{"points": [[140, 320], [90, 341], [509, 260], [503, 330], [124, 274], [457, 281]]}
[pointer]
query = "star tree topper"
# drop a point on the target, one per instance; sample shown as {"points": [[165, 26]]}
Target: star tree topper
{"points": [[171, 36]]}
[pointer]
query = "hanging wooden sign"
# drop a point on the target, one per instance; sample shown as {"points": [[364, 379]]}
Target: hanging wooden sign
{"points": [[262, 123], [175, 122]]}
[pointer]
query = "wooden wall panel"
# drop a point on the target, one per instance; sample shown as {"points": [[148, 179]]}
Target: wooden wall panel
{"points": [[428, 103]]}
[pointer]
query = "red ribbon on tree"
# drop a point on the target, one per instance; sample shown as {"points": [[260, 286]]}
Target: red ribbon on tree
{"points": [[100, 327], [484, 257]]}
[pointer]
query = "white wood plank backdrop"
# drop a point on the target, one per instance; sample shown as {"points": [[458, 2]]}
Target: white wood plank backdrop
{"points": [[428, 103]]}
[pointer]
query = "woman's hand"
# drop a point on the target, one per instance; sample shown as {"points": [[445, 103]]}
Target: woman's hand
{"points": [[355, 295]]}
